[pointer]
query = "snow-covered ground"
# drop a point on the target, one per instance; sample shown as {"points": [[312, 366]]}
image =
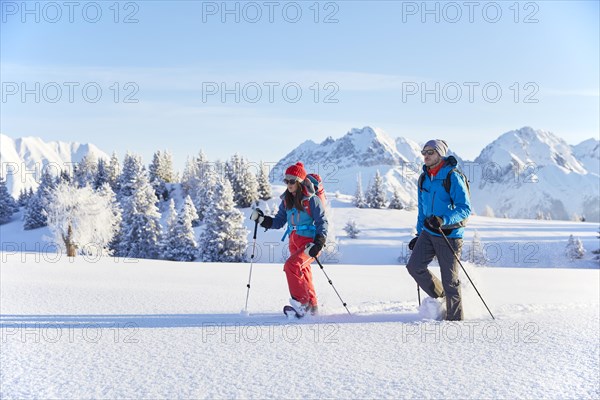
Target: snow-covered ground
{"points": [[128, 328], [156, 329]]}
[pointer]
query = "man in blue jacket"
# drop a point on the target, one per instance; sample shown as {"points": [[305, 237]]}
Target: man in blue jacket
{"points": [[441, 209]]}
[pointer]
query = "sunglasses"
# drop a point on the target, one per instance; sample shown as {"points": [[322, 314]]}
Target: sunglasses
{"points": [[289, 181], [428, 152]]}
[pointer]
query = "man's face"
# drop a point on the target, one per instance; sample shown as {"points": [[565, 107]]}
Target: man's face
{"points": [[431, 156]]}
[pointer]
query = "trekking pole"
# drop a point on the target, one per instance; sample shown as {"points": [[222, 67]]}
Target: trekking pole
{"points": [[251, 264], [419, 294], [331, 283], [465, 271]]}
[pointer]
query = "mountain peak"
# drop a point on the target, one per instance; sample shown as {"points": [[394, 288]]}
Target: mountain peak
{"points": [[24, 159]]}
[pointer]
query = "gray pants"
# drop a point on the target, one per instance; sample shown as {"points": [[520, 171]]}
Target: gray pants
{"points": [[427, 247]]}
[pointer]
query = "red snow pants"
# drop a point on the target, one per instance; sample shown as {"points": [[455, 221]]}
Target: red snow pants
{"points": [[298, 272]]}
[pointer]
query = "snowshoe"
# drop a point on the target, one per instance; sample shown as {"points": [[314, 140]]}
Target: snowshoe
{"points": [[291, 312]]}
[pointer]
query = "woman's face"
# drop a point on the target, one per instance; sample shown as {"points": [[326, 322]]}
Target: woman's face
{"points": [[292, 186]]}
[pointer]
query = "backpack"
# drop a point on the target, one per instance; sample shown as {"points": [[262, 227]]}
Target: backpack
{"points": [[319, 189]]}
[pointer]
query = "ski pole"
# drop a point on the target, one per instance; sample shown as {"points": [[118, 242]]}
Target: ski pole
{"points": [[251, 264], [419, 294], [331, 283], [465, 271]]}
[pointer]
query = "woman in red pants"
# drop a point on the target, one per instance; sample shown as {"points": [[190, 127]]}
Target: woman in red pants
{"points": [[304, 214]]}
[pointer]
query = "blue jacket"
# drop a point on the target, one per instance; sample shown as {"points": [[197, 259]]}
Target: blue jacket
{"points": [[302, 222], [434, 200]]}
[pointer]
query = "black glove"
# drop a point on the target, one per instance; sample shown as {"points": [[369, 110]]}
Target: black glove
{"points": [[434, 223], [267, 222], [257, 215], [411, 244], [317, 246]]}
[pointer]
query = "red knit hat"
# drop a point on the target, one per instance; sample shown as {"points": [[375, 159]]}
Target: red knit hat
{"points": [[296, 171]]}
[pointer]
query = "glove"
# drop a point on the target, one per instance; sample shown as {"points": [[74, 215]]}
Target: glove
{"points": [[267, 222], [313, 249], [434, 222], [257, 215], [411, 244]]}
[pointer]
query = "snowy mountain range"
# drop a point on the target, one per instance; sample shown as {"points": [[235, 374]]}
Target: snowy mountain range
{"points": [[359, 152], [524, 173], [23, 160]]}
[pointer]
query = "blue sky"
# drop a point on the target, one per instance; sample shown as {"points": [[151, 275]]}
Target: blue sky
{"points": [[356, 63]]}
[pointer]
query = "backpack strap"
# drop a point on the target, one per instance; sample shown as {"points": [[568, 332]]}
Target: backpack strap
{"points": [[447, 182], [421, 180]]}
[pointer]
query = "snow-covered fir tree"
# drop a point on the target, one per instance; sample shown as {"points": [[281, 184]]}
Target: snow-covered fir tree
{"points": [[264, 186], [359, 199], [179, 241], [243, 181], [160, 173], [574, 249], [113, 171], [101, 174], [86, 170], [203, 196], [24, 196], [63, 177], [396, 203], [8, 205], [139, 234], [82, 220], [36, 212], [474, 251], [192, 174], [376, 196], [351, 229], [132, 170], [488, 212], [224, 238]]}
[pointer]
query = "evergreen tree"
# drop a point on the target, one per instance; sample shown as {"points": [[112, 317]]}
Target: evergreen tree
{"points": [[140, 230], [23, 198], [264, 187], [225, 237], [359, 197], [63, 177], [475, 252], [574, 249], [243, 181], [157, 183], [179, 241], [488, 212], [132, 170], [203, 196], [192, 174], [113, 172], [8, 205], [101, 175], [36, 213], [376, 197], [351, 229], [396, 203], [85, 173]]}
